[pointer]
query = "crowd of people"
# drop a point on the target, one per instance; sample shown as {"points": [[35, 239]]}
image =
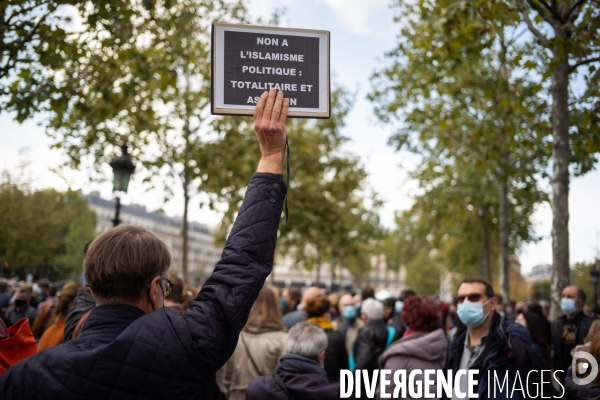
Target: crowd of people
{"points": [[135, 332], [303, 339]]}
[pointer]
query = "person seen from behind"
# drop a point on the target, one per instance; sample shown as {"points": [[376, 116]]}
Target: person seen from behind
{"points": [[423, 345], [299, 374], [292, 318], [260, 346], [534, 325], [131, 346], [53, 335], [336, 356], [373, 338]]}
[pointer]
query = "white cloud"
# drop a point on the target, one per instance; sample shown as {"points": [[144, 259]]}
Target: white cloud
{"points": [[362, 17]]}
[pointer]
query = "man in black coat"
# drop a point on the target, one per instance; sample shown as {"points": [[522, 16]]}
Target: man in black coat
{"points": [[373, 338], [130, 346], [569, 330]]}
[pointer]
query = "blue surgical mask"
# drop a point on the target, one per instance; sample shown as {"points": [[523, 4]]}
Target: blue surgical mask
{"points": [[38, 291], [568, 306], [502, 314], [349, 312], [399, 305], [283, 303], [471, 314]]}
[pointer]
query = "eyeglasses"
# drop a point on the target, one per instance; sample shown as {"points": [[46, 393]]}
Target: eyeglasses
{"points": [[168, 288], [473, 298]]}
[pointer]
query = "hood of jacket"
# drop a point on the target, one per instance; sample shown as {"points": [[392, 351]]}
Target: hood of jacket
{"points": [[431, 346]]}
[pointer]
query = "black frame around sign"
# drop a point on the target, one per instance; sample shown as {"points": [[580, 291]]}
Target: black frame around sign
{"points": [[247, 112]]}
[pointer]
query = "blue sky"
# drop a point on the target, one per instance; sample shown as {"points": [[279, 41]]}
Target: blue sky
{"points": [[361, 32]]}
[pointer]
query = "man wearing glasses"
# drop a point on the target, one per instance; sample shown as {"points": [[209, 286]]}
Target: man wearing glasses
{"points": [[130, 346], [487, 344]]}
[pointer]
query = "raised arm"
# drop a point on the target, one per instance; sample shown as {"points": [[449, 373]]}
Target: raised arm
{"points": [[216, 317]]}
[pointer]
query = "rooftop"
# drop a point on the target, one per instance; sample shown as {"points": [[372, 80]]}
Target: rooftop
{"points": [[141, 212]]}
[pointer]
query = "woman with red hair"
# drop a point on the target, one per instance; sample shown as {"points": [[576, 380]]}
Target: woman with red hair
{"points": [[423, 345]]}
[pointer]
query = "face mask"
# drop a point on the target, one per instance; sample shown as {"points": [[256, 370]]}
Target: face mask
{"points": [[20, 303], [471, 314], [38, 291], [349, 312], [568, 306], [283, 303], [399, 305], [502, 314]]}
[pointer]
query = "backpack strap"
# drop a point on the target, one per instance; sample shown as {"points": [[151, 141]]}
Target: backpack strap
{"points": [[280, 383], [250, 355], [80, 322]]}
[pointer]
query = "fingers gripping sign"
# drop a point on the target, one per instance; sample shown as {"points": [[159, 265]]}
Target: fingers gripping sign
{"points": [[269, 124]]}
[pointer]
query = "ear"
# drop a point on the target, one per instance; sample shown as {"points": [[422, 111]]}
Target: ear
{"points": [[155, 291], [321, 357]]}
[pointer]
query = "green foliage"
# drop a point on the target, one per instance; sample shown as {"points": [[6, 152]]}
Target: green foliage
{"points": [[423, 273], [332, 216], [45, 45], [44, 228], [580, 276], [569, 30], [541, 290], [457, 92]]}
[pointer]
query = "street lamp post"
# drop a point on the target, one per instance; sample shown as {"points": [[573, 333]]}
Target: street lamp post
{"points": [[122, 169], [595, 274]]}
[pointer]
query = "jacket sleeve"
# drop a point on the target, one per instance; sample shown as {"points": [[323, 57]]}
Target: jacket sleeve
{"points": [[363, 348], [216, 317]]}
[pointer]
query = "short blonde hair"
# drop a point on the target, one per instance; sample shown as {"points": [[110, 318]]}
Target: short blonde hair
{"points": [[121, 262]]}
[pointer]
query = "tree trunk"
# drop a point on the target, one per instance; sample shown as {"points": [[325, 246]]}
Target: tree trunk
{"points": [[485, 269], [184, 227], [561, 157], [504, 262]]}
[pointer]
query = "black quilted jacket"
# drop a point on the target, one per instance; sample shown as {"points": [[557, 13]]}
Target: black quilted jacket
{"points": [[123, 353]]}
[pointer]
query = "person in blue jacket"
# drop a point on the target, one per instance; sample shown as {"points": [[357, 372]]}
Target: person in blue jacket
{"points": [[130, 346]]}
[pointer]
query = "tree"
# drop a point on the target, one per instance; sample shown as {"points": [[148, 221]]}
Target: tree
{"points": [[153, 94], [43, 41], [569, 35], [332, 215], [43, 231], [580, 277], [456, 84]]}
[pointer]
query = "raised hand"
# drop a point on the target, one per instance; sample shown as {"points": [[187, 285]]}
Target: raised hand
{"points": [[269, 124]]}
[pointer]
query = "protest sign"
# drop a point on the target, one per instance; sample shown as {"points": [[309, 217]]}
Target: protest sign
{"points": [[247, 60]]}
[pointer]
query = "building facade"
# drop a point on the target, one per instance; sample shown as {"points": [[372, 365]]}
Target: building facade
{"points": [[202, 254]]}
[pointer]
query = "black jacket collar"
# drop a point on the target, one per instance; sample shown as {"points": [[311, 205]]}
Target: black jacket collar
{"points": [[109, 320]]}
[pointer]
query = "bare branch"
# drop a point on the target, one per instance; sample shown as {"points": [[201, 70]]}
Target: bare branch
{"points": [[583, 62], [540, 36]]}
